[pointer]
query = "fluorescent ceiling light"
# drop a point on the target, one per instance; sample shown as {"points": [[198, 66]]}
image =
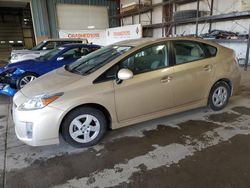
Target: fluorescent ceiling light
{"points": [[91, 27]]}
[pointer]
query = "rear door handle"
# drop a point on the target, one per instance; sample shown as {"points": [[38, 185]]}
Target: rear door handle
{"points": [[208, 67], [166, 79]]}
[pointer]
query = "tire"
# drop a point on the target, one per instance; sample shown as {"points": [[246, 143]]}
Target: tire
{"points": [[25, 79], [219, 96], [84, 121]]}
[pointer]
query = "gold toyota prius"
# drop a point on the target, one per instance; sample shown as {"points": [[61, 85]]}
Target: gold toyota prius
{"points": [[123, 84]]}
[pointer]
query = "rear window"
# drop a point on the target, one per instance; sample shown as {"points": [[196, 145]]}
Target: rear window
{"points": [[188, 51], [211, 50]]}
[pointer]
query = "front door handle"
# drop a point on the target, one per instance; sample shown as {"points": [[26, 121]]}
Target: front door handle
{"points": [[208, 67], [166, 79]]}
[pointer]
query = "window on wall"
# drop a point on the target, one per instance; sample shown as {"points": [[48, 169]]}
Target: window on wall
{"points": [[187, 51]]}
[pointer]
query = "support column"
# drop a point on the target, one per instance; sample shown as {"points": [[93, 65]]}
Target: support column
{"points": [[39, 12]]}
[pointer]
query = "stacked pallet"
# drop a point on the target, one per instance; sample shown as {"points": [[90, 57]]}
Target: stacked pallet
{"points": [[134, 6]]}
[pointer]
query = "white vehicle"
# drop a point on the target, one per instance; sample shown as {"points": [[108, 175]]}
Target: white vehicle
{"points": [[41, 49]]}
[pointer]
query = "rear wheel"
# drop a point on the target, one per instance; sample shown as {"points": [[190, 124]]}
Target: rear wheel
{"points": [[25, 79], [84, 127], [219, 96]]}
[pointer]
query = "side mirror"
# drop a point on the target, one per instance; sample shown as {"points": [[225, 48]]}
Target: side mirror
{"points": [[125, 74], [44, 48], [59, 58]]}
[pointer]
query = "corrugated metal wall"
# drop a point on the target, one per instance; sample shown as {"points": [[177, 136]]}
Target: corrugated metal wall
{"points": [[45, 19], [40, 19]]}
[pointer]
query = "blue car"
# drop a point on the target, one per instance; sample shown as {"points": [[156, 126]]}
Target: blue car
{"points": [[16, 75]]}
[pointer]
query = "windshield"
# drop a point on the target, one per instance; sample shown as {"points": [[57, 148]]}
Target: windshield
{"points": [[51, 54], [97, 59], [39, 46]]}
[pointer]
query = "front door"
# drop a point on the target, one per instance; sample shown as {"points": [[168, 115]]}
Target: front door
{"points": [[150, 90]]}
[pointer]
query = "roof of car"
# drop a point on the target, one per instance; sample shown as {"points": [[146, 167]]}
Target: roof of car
{"points": [[142, 41], [80, 45], [135, 42], [66, 39]]}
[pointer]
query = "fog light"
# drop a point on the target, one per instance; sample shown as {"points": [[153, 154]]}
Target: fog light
{"points": [[29, 129]]}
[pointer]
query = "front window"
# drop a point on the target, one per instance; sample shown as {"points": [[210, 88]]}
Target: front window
{"points": [[145, 60], [45, 45], [39, 46], [148, 59], [75, 53], [97, 59], [51, 54]]}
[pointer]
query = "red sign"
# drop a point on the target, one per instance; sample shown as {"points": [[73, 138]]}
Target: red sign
{"points": [[121, 33], [84, 35]]}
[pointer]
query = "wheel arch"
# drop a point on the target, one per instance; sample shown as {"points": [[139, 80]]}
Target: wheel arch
{"points": [[23, 75], [30, 72], [225, 80], [93, 105]]}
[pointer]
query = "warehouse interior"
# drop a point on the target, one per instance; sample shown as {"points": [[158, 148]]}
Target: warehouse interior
{"points": [[161, 88], [16, 27]]}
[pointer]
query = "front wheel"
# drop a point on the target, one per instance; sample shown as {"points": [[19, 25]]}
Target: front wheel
{"points": [[25, 79], [219, 96], [84, 127]]}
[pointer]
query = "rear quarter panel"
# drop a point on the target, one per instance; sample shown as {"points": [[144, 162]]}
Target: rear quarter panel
{"points": [[226, 68]]}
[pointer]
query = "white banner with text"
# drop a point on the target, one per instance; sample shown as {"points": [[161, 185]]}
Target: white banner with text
{"points": [[118, 34], [93, 36], [105, 37]]}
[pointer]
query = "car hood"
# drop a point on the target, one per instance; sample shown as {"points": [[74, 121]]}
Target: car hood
{"points": [[53, 82], [26, 52], [20, 64]]}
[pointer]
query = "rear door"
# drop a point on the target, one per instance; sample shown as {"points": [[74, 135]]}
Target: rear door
{"points": [[194, 69]]}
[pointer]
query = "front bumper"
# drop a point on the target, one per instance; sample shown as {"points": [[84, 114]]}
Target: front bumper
{"points": [[8, 81], [6, 89], [37, 127]]}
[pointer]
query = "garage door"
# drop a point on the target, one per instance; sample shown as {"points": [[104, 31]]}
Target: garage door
{"points": [[77, 17], [16, 30]]}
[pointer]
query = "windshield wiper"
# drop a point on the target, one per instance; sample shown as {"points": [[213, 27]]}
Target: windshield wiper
{"points": [[72, 70], [92, 69], [66, 67]]}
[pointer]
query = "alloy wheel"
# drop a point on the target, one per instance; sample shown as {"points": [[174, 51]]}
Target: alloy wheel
{"points": [[84, 128], [219, 96], [27, 79]]}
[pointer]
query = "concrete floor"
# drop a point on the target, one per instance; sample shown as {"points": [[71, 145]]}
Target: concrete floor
{"points": [[198, 148]]}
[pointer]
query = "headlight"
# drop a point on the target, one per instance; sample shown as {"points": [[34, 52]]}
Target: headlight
{"points": [[10, 71], [14, 57], [39, 101]]}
